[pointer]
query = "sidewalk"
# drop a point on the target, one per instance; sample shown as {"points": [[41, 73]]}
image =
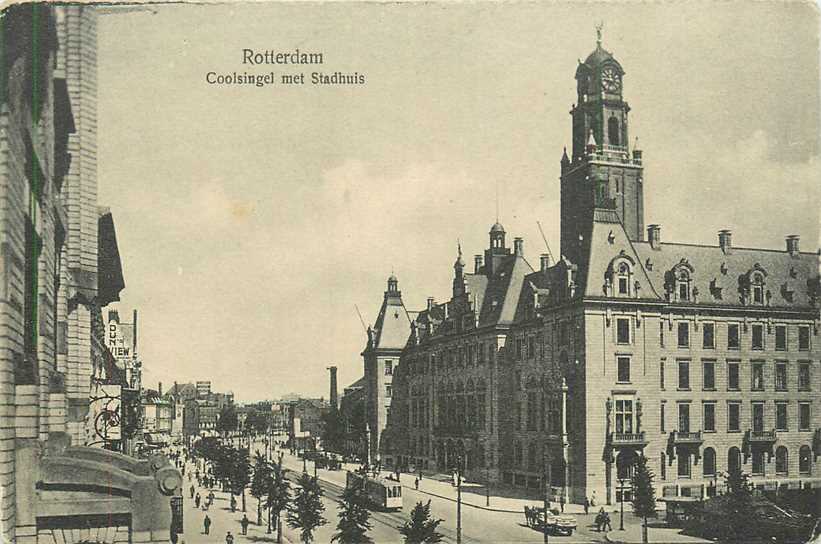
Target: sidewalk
{"points": [[632, 535]]}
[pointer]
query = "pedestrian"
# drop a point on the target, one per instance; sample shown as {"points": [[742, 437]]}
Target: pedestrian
{"points": [[593, 499], [192, 491], [416, 483], [206, 524], [420, 474], [229, 538], [561, 502], [607, 526], [586, 505], [197, 500], [233, 504], [600, 520], [244, 522]]}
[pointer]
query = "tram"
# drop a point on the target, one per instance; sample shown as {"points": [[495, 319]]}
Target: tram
{"points": [[380, 492]]}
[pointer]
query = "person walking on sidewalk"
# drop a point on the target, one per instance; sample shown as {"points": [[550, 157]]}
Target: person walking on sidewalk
{"points": [[229, 538], [197, 500], [607, 526], [586, 505], [561, 502], [192, 491], [416, 483], [206, 524], [244, 522]]}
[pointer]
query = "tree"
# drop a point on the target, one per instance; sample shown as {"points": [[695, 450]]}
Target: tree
{"points": [[738, 508], [260, 484], [240, 473], [305, 512], [421, 528], [227, 421], [277, 497], [644, 495], [354, 519]]}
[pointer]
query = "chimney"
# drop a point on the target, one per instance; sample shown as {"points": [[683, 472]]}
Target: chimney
{"points": [[654, 236], [333, 387], [477, 263], [159, 388], [518, 247], [544, 259], [792, 244], [430, 303], [134, 346], [725, 241]]}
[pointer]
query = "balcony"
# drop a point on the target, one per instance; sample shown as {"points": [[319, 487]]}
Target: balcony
{"points": [[634, 440], [614, 153], [761, 437], [681, 438]]}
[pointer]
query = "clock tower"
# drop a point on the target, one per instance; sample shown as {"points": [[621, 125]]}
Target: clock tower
{"points": [[602, 173]]}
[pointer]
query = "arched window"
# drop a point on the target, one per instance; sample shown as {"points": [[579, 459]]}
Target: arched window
{"points": [[613, 133], [733, 460], [625, 462], [781, 460], [804, 460], [709, 463]]}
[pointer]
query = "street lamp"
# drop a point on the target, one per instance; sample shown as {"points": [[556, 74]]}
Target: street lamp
{"points": [[622, 487], [459, 499], [546, 498]]}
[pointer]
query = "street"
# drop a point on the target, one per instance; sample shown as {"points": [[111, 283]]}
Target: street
{"points": [[478, 524]]}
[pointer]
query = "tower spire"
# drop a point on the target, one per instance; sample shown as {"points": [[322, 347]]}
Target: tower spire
{"points": [[599, 28]]}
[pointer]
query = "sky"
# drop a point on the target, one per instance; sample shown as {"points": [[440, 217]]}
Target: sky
{"points": [[253, 221]]}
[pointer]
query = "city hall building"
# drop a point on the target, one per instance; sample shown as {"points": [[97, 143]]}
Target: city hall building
{"points": [[701, 358]]}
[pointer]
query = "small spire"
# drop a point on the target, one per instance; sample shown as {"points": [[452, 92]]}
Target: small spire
{"points": [[598, 33], [636, 143]]}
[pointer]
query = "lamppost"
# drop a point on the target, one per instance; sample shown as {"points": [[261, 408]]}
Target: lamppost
{"points": [[546, 498], [622, 487], [459, 499]]}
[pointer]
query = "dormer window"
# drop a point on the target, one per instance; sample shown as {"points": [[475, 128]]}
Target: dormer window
{"points": [[683, 285], [624, 280], [757, 287]]}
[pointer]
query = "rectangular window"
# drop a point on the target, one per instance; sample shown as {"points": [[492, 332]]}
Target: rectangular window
{"points": [[780, 375], [733, 380], [661, 333], [624, 288], [662, 418], [804, 376], [804, 338], [684, 464], [661, 374], [758, 417], [733, 341], [684, 374], [623, 330], [709, 382], [758, 336], [624, 416], [757, 376], [683, 334], [781, 423], [781, 337], [531, 346], [623, 369], [388, 391], [733, 417], [709, 330], [684, 417], [388, 368], [709, 423], [804, 416]]}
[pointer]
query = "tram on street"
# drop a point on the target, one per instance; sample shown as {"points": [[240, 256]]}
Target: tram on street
{"points": [[382, 493]]}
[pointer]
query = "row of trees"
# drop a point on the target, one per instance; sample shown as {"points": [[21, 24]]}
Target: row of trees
{"points": [[256, 422]]}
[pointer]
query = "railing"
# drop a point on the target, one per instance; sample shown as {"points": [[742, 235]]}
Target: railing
{"points": [[762, 436], [681, 437], [614, 153], [628, 439]]}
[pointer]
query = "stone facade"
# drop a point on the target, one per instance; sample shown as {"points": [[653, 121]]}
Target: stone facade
{"points": [[699, 357]]}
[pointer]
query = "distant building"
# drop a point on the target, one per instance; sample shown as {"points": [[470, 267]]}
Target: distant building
{"points": [[203, 389], [200, 418], [352, 406], [385, 342], [305, 423]]}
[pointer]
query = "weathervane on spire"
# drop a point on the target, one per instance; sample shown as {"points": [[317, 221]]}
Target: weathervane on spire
{"points": [[598, 32]]}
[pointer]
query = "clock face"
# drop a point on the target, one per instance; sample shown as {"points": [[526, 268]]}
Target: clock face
{"points": [[610, 80]]}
